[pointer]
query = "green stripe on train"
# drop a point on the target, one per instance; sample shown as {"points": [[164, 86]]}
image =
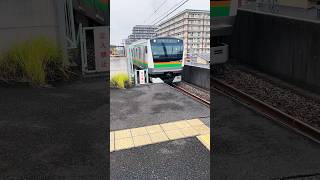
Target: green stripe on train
{"points": [[220, 11], [140, 63], [102, 6], [160, 66]]}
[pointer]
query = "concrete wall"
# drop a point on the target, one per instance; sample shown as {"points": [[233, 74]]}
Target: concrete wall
{"points": [[24, 19], [296, 3], [197, 76], [285, 48]]}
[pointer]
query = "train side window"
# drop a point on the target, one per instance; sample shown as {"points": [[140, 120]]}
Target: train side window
{"points": [[140, 53], [146, 49], [135, 52]]}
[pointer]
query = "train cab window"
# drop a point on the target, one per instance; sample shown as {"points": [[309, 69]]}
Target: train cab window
{"points": [[146, 49]]}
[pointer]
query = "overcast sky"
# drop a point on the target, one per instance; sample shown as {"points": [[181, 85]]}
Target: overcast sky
{"points": [[127, 13]]}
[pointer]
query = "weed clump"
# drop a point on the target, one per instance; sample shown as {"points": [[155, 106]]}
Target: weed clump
{"points": [[120, 81], [36, 61]]}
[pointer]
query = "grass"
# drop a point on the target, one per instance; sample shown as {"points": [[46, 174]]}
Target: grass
{"points": [[37, 61], [120, 81]]}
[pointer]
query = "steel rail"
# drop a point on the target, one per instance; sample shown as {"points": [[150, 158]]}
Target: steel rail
{"points": [[267, 110], [192, 95]]}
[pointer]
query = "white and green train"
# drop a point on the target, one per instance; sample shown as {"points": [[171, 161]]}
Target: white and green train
{"points": [[162, 57]]}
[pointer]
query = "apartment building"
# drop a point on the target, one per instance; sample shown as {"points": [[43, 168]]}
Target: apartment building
{"points": [[141, 32], [193, 26]]}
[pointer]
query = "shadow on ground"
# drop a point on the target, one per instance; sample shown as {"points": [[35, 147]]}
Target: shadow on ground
{"points": [[54, 133]]}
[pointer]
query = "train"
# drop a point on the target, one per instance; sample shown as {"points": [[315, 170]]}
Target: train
{"points": [[222, 21], [162, 57]]}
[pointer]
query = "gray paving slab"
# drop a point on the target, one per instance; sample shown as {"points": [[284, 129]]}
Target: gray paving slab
{"points": [[151, 104], [250, 146], [179, 159]]}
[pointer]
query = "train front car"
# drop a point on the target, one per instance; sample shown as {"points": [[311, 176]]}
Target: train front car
{"points": [[167, 59]]}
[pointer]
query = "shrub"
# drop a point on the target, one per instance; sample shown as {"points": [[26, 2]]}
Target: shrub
{"points": [[37, 61], [121, 81]]}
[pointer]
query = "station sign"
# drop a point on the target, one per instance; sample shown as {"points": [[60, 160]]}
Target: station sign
{"points": [[101, 46], [142, 78]]}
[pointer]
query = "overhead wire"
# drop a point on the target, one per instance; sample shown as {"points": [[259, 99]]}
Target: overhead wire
{"points": [[164, 15], [156, 11], [171, 12]]}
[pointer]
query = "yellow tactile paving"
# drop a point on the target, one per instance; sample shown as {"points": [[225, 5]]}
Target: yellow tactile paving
{"points": [[111, 146], [202, 129], [124, 143], [182, 124], [195, 122], [159, 137], [174, 134], [205, 140], [111, 136], [129, 138], [141, 140], [189, 132], [169, 126], [154, 129], [122, 134], [139, 131]]}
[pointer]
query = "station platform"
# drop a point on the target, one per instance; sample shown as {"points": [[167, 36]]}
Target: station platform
{"points": [[158, 133]]}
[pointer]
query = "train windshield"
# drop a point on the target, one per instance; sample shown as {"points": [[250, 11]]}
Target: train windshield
{"points": [[165, 50]]}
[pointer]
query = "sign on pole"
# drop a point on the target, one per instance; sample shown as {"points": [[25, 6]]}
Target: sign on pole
{"points": [[142, 77], [101, 48]]}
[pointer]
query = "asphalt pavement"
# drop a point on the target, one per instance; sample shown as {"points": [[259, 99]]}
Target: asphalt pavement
{"points": [[180, 159], [54, 133], [250, 146], [154, 104]]}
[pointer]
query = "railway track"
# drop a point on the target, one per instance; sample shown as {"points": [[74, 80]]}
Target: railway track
{"points": [[267, 110], [190, 94]]}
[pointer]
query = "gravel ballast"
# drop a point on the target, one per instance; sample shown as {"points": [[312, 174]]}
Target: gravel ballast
{"points": [[287, 98], [195, 90]]}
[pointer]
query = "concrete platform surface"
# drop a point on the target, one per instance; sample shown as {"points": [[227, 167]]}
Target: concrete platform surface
{"points": [[152, 104], [179, 159], [247, 145]]}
